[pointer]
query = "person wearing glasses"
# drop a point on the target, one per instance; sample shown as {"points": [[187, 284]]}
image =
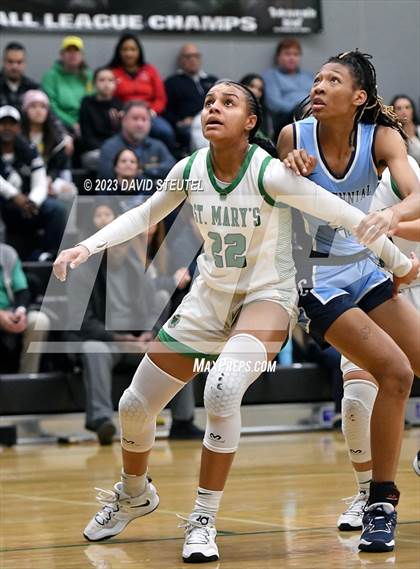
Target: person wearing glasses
{"points": [[186, 90]]}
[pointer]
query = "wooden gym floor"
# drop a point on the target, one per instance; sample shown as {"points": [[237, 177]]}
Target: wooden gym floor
{"points": [[279, 509]]}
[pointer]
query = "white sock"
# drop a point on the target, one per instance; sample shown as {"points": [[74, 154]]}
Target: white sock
{"points": [[363, 480], [132, 484], [207, 501]]}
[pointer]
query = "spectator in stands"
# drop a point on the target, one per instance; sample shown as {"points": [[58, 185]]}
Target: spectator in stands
{"points": [[154, 157], [17, 324], [109, 331], [67, 82], [128, 173], [127, 166], [186, 90], [13, 81], [24, 202], [14, 84], [255, 83], [286, 84], [100, 116], [39, 128], [405, 109], [140, 81]]}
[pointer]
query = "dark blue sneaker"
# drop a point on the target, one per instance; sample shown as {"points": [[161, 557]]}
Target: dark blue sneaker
{"points": [[379, 521]]}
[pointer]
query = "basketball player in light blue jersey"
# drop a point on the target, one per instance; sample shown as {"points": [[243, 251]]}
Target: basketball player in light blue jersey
{"points": [[345, 141], [360, 388]]}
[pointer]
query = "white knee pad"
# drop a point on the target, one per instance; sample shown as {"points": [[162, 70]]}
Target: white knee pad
{"points": [[149, 392], [356, 409], [240, 364]]}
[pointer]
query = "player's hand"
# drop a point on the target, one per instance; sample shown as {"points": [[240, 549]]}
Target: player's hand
{"points": [[74, 256], [376, 224], [300, 162], [409, 277]]}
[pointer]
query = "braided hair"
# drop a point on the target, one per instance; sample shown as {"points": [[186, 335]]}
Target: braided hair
{"points": [[254, 109], [373, 110]]}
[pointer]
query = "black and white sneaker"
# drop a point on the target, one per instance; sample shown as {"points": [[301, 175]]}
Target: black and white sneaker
{"points": [[118, 510], [200, 539]]}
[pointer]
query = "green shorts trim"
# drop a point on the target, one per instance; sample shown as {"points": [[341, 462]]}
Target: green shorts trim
{"points": [[183, 349]]}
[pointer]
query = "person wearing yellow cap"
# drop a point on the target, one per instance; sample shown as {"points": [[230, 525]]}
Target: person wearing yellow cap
{"points": [[67, 82]]}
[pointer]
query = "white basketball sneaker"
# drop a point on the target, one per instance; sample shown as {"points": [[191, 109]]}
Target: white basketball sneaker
{"points": [[118, 510], [200, 539], [351, 519]]}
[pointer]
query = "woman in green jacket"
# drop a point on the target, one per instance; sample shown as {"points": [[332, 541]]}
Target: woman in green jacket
{"points": [[67, 82]]}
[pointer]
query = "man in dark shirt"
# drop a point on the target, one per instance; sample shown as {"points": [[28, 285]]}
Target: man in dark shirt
{"points": [[14, 84], [155, 159], [13, 81], [186, 90], [100, 116]]}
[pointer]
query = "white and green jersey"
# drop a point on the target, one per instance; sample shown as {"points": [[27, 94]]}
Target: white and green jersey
{"points": [[246, 235], [245, 224], [386, 195]]}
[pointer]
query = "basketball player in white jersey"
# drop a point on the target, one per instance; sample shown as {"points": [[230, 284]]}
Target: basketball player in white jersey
{"points": [[239, 309]]}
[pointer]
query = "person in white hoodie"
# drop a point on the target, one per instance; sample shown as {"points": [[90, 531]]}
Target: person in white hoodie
{"points": [[25, 205]]}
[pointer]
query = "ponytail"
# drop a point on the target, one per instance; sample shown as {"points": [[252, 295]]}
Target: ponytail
{"points": [[265, 144]]}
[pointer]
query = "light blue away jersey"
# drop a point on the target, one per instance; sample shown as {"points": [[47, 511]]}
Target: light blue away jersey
{"points": [[356, 186]]}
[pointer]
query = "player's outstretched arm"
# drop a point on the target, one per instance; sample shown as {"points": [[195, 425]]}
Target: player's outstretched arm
{"points": [[126, 226], [391, 151], [306, 196], [409, 230]]}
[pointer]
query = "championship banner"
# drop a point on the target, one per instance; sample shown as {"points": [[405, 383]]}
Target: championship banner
{"points": [[242, 17]]}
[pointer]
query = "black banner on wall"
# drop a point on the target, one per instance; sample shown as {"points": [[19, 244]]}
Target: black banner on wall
{"points": [[244, 17]]}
